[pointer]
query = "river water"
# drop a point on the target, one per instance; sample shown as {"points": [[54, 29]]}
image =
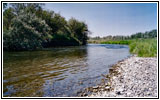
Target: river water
{"points": [[58, 72]]}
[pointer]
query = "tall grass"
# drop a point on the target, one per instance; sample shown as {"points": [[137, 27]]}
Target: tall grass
{"points": [[144, 47], [141, 47], [117, 42]]}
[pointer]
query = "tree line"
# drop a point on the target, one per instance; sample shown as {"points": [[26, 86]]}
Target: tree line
{"points": [[27, 26], [145, 35]]}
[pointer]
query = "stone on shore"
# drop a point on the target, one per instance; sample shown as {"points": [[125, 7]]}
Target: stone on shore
{"points": [[133, 77]]}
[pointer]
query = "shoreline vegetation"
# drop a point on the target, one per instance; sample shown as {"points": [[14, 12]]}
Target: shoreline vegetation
{"points": [[141, 47], [142, 44], [29, 26]]}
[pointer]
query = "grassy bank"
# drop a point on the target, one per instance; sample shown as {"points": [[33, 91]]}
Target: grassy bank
{"points": [[144, 47], [141, 47], [127, 42]]}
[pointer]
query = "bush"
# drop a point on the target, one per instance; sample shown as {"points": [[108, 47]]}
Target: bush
{"points": [[27, 33]]}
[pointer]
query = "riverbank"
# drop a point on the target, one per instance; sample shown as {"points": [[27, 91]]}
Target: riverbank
{"points": [[140, 46], [132, 77]]}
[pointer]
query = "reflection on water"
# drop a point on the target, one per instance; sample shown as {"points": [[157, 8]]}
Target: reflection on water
{"points": [[58, 71]]}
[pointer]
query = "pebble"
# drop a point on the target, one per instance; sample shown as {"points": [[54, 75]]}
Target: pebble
{"points": [[137, 77], [107, 88], [95, 87]]}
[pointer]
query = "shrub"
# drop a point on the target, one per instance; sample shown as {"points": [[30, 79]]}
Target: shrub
{"points": [[27, 33]]}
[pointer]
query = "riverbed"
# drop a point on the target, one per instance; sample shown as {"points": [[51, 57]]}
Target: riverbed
{"points": [[58, 72]]}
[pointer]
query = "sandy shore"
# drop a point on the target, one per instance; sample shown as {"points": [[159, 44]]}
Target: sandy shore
{"points": [[132, 77]]}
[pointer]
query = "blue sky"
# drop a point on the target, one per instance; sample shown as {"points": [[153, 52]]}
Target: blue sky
{"points": [[110, 18]]}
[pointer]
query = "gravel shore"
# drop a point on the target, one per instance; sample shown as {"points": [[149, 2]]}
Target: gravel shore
{"points": [[132, 77]]}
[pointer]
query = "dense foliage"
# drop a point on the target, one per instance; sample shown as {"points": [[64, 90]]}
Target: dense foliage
{"points": [[27, 26], [27, 33]]}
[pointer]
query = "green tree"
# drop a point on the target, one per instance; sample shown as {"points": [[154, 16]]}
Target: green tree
{"points": [[8, 15], [27, 26], [28, 7], [27, 33], [79, 30], [54, 20]]}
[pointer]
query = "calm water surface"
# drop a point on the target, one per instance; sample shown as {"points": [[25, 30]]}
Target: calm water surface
{"points": [[58, 71]]}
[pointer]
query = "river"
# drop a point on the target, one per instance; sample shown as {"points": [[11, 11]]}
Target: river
{"points": [[58, 72]]}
